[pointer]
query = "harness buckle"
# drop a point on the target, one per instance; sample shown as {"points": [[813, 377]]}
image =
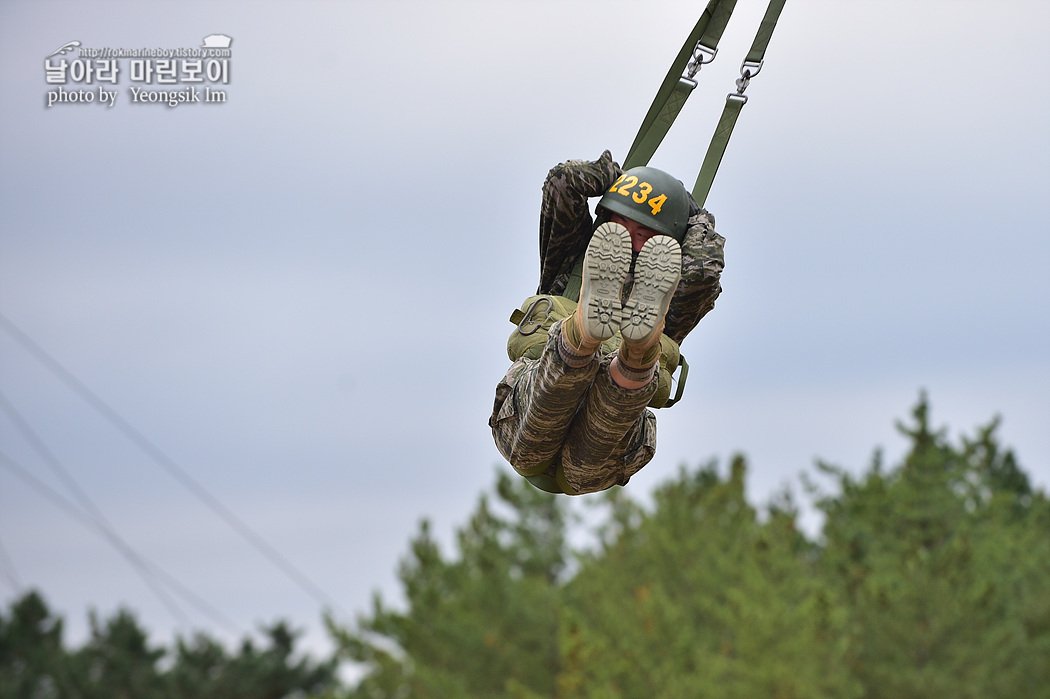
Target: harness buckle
{"points": [[702, 55], [746, 73]]}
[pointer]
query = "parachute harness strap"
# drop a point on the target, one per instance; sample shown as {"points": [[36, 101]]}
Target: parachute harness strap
{"points": [[735, 101], [700, 48]]}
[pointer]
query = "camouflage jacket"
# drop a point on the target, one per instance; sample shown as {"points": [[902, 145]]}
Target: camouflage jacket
{"points": [[566, 227]]}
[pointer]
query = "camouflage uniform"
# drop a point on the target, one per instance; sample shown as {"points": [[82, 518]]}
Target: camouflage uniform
{"points": [[577, 425]]}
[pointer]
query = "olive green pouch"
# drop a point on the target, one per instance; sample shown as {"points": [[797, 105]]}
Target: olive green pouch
{"points": [[538, 313]]}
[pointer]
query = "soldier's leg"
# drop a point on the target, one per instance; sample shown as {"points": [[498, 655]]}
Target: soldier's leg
{"points": [[546, 394], [657, 273], [607, 433], [615, 407], [536, 402]]}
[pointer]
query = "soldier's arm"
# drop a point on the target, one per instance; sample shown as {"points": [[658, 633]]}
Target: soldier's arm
{"points": [[703, 258], [565, 219]]}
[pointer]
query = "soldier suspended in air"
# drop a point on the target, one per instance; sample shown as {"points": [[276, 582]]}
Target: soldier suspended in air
{"points": [[571, 413], [598, 344]]}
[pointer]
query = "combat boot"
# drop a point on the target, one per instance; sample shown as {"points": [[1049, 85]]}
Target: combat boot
{"points": [[656, 275], [598, 314]]}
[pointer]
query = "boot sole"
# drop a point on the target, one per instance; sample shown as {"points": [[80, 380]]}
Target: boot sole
{"points": [[605, 269], [656, 275]]}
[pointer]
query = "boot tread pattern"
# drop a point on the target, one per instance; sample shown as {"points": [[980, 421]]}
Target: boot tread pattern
{"points": [[605, 269], [656, 275]]}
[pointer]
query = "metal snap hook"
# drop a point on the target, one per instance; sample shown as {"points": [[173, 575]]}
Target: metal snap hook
{"points": [[528, 316]]}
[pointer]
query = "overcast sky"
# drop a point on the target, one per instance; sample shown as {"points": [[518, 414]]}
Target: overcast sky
{"points": [[300, 297]]}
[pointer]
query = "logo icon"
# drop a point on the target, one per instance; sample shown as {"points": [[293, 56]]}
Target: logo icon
{"points": [[66, 48], [216, 41]]}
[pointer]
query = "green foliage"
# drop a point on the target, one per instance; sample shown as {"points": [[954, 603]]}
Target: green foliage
{"points": [[32, 660], [699, 598], [203, 669], [117, 662], [944, 563], [483, 625], [931, 579]]}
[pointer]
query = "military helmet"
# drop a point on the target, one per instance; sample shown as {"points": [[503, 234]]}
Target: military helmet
{"points": [[652, 198]]}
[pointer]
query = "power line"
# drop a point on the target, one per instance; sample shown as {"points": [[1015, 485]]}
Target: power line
{"points": [[151, 570], [10, 572], [92, 515], [173, 469]]}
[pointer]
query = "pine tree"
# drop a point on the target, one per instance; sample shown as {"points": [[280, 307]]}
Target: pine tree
{"points": [[700, 599], [484, 624], [32, 660], [945, 565], [118, 661]]}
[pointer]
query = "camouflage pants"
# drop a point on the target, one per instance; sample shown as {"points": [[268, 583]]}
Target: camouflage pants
{"points": [[576, 425]]}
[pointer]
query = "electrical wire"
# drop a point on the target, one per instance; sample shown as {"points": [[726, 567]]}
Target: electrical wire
{"points": [[89, 513], [86, 520], [173, 469], [10, 572]]}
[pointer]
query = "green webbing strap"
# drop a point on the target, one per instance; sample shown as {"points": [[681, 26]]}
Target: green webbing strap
{"points": [[735, 101], [765, 31], [701, 47], [572, 289], [683, 374], [717, 148]]}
